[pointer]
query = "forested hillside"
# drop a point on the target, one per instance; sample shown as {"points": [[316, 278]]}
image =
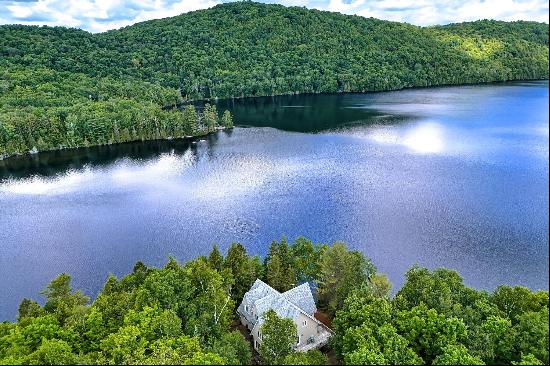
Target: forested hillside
{"points": [[248, 49], [185, 314], [42, 109]]}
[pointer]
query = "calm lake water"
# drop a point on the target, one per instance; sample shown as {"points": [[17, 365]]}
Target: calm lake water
{"points": [[454, 177]]}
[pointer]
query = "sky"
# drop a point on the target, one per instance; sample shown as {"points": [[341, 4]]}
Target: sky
{"points": [[101, 15]]}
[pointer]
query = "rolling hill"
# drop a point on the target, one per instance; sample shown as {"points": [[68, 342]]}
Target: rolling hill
{"points": [[235, 50]]}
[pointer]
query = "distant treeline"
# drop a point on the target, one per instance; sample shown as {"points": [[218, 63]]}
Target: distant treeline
{"points": [[252, 49], [185, 314], [42, 109], [48, 74]]}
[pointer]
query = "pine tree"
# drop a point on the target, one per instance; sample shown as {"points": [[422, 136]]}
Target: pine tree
{"points": [[238, 262], [190, 120], [275, 274], [227, 119], [279, 267], [215, 259], [210, 117]]}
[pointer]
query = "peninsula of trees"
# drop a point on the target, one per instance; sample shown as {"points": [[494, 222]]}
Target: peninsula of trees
{"points": [[185, 314], [63, 87], [43, 110]]}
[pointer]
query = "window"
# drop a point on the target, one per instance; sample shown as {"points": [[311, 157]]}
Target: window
{"points": [[246, 308]]}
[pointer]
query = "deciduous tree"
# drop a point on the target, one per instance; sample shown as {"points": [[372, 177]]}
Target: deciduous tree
{"points": [[278, 338]]}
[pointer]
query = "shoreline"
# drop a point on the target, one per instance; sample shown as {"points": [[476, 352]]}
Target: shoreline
{"points": [[484, 83], [185, 138], [215, 100]]}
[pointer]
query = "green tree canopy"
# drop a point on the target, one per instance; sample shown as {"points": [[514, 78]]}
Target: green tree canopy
{"points": [[63, 87], [341, 272], [456, 355], [278, 338]]}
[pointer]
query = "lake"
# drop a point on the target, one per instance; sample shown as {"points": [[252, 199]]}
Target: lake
{"points": [[449, 176]]}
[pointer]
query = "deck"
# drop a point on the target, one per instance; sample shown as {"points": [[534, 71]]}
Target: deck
{"points": [[321, 339]]}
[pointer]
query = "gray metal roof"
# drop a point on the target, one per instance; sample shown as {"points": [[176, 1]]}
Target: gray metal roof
{"points": [[290, 304], [302, 297], [283, 307], [259, 290]]}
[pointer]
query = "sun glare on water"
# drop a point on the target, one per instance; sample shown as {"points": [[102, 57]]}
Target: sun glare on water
{"points": [[422, 139], [425, 139]]}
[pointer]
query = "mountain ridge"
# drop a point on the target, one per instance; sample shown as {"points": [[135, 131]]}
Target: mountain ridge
{"points": [[62, 87], [255, 49]]}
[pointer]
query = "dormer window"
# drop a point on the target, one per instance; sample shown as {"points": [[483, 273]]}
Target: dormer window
{"points": [[246, 308], [304, 323]]}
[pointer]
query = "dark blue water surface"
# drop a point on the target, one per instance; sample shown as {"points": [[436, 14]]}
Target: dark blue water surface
{"points": [[454, 177]]}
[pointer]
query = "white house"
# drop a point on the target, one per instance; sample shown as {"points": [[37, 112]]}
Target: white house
{"points": [[296, 304]]}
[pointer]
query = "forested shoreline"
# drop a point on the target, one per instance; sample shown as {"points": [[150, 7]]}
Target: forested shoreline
{"points": [[47, 110], [62, 87], [185, 314]]}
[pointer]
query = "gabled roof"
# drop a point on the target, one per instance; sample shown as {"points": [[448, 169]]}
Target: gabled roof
{"points": [[290, 304], [302, 297], [283, 307], [259, 290]]}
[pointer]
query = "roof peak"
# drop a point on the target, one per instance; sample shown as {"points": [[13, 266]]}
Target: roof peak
{"points": [[260, 282], [305, 284]]}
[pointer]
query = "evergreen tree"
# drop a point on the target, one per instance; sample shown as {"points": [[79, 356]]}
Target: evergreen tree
{"points": [[227, 120], [210, 116], [215, 259], [279, 268], [276, 277], [191, 119], [242, 269]]}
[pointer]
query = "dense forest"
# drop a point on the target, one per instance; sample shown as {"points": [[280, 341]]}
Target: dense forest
{"points": [[185, 314], [43, 109], [63, 87]]}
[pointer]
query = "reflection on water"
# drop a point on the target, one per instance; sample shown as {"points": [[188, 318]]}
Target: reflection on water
{"points": [[424, 138], [37, 185], [454, 177], [54, 162], [309, 113]]}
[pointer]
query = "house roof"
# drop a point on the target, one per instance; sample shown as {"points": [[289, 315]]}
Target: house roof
{"points": [[302, 297], [283, 307], [290, 304], [259, 290]]}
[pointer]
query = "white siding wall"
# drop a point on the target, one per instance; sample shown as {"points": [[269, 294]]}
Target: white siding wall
{"points": [[309, 330], [304, 331], [257, 340]]}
